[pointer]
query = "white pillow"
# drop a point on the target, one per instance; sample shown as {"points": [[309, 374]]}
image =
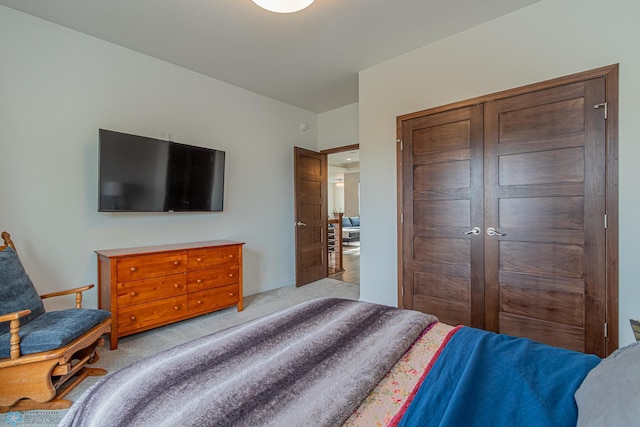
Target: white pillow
{"points": [[610, 393]]}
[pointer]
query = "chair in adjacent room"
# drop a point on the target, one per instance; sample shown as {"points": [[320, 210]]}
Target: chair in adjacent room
{"points": [[43, 354]]}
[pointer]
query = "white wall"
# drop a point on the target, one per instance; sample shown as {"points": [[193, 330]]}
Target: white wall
{"points": [[335, 194], [549, 39], [352, 194], [338, 128], [57, 87]]}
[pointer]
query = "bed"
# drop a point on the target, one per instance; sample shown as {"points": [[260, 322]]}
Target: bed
{"points": [[332, 362]]}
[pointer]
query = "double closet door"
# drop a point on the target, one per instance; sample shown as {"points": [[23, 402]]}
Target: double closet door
{"points": [[504, 215]]}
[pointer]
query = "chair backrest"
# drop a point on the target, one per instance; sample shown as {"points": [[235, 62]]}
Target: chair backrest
{"points": [[16, 289]]}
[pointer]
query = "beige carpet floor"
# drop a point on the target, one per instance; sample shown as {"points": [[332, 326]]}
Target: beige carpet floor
{"points": [[135, 347]]}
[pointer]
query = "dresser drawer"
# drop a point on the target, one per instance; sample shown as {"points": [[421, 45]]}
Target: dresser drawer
{"points": [[141, 291], [156, 313], [213, 277], [205, 301], [154, 265], [211, 257]]}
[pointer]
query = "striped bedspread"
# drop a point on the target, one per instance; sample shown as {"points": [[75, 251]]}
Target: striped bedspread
{"points": [[332, 362], [308, 365]]}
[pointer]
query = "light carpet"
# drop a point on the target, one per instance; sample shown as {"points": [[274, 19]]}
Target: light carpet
{"points": [[137, 346]]}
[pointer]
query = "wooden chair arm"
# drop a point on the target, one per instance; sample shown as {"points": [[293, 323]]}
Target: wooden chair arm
{"points": [[77, 291], [14, 328], [14, 315]]}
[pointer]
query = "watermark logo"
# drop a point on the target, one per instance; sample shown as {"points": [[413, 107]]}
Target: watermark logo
{"points": [[14, 418], [32, 418]]}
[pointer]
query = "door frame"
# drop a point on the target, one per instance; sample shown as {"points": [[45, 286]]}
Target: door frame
{"points": [[297, 197], [610, 72], [341, 149]]}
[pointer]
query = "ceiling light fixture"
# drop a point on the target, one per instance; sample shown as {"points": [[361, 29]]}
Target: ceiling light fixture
{"points": [[340, 183], [283, 6]]}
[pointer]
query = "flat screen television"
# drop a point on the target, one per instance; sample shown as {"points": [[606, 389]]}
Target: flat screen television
{"points": [[141, 174]]}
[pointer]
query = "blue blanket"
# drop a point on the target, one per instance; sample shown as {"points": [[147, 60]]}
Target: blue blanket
{"points": [[486, 379]]}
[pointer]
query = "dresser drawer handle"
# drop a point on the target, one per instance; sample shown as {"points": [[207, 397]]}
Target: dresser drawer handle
{"points": [[199, 281], [133, 294], [198, 259], [199, 302], [230, 294], [133, 318], [230, 274], [230, 255], [176, 307], [134, 269], [176, 285], [176, 262]]}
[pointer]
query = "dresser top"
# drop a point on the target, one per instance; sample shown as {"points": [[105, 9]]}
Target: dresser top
{"points": [[109, 253]]}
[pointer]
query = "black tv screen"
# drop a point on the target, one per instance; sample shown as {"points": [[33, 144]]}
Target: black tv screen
{"points": [[141, 174]]}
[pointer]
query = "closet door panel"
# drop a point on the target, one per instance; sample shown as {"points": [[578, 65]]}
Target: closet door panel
{"points": [[552, 166], [565, 336], [557, 260], [443, 262], [542, 304], [544, 194], [543, 213], [441, 213]]}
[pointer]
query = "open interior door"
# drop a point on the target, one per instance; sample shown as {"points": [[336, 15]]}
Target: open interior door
{"points": [[310, 177]]}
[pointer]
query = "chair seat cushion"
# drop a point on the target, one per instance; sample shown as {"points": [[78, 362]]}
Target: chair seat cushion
{"points": [[54, 329]]}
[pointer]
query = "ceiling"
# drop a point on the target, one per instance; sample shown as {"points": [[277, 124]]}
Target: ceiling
{"points": [[344, 159], [341, 162], [309, 59]]}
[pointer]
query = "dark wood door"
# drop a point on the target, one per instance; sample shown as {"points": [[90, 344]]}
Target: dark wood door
{"points": [[534, 169], [443, 263], [545, 195], [310, 177]]}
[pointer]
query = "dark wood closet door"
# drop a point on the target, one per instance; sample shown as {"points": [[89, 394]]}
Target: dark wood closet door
{"points": [[442, 203], [545, 263], [545, 193]]}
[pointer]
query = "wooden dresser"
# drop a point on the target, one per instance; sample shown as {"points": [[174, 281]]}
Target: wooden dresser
{"points": [[152, 286]]}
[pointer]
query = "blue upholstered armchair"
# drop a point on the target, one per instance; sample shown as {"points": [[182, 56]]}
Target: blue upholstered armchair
{"points": [[43, 355]]}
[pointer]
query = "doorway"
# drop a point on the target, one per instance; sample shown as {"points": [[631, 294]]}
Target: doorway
{"points": [[343, 207]]}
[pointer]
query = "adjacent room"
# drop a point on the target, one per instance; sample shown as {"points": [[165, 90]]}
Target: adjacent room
{"points": [[343, 195], [317, 205]]}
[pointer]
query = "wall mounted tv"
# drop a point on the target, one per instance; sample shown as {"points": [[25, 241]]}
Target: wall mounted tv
{"points": [[140, 174]]}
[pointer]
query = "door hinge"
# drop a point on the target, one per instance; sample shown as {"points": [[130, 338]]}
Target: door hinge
{"points": [[402, 290], [401, 218], [606, 330], [606, 108], [605, 220], [400, 141]]}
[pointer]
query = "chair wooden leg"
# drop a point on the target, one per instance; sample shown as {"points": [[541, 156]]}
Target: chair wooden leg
{"points": [[32, 381], [42, 380], [58, 402]]}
